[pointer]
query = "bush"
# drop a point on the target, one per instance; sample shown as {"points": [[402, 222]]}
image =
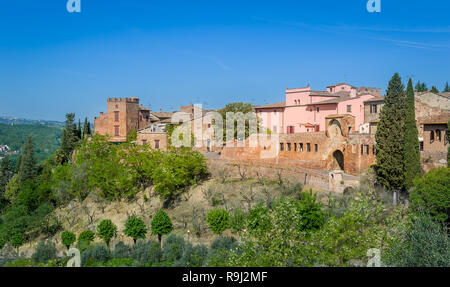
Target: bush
{"points": [[121, 251], [425, 245], [431, 193], [135, 228], [258, 219], [312, 216], [237, 220], [86, 235], [120, 262], [218, 220], [106, 230], [146, 253], [193, 256], [44, 251], [173, 248], [67, 238], [220, 250], [161, 224], [96, 255]]}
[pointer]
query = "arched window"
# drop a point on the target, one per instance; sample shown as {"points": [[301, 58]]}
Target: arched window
{"points": [[438, 135], [432, 136]]}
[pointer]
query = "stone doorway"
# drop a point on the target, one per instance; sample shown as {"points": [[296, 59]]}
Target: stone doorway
{"points": [[338, 160]]}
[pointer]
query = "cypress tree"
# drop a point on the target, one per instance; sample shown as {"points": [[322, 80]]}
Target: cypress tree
{"points": [[390, 138], [69, 138], [411, 152], [27, 169], [447, 88], [418, 87], [424, 87], [79, 132], [6, 173], [86, 128], [434, 90]]}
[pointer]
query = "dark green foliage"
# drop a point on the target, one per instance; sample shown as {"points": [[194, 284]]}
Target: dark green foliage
{"points": [[120, 262], [86, 128], [121, 251], [173, 248], [244, 108], [17, 240], [27, 169], [45, 251], [218, 220], [432, 193], [135, 228], [219, 251], [447, 88], [6, 173], [69, 139], [411, 149], [448, 140], [97, 254], [312, 216], [390, 137], [421, 87], [86, 235], [106, 230], [193, 256], [45, 139], [146, 253], [425, 245], [237, 220], [258, 219], [67, 238], [434, 90], [161, 224]]}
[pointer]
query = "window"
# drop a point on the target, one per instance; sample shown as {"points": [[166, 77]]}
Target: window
{"points": [[144, 142], [116, 116], [373, 109], [421, 146], [308, 147], [316, 148], [290, 129], [318, 109], [364, 149], [301, 147], [281, 146], [431, 136], [116, 131], [349, 108], [438, 135], [156, 144], [349, 129], [295, 146], [288, 146]]}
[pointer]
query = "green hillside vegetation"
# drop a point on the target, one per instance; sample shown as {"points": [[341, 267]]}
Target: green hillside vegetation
{"points": [[46, 139]]}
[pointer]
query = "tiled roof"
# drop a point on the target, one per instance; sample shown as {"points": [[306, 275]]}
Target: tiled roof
{"points": [[276, 105], [375, 99]]}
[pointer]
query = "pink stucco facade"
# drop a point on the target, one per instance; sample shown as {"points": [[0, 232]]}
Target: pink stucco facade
{"points": [[305, 110]]}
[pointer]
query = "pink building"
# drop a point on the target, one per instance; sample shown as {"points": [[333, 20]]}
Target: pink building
{"points": [[305, 110]]}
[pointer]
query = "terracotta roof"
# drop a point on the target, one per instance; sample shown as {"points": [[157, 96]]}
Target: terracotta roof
{"points": [[276, 105], [340, 84], [336, 100], [439, 119], [162, 114], [375, 99]]}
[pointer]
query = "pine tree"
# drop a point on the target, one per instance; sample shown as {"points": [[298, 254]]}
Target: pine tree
{"points": [[447, 88], [411, 150], [6, 173], [27, 169], [79, 132], [424, 88], [69, 139], [434, 90], [86, 128], [418, 87], [390, 137]]}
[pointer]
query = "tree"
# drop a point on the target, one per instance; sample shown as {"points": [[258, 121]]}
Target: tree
{"points": [[218, 220], [27, 170], [434, 90], [69, 139], [390, 138], [448, 140], [411, 150], [161, 224], [432, 193], [87, 236], [17, 240], [421, 87], [237, 108], [67, 238], [447, 88], [86, 128], [79, 131], [6, 173], [106, 230], [135, 228]]}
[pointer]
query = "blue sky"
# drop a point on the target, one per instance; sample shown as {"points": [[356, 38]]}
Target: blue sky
{"points": [[171, 53]]}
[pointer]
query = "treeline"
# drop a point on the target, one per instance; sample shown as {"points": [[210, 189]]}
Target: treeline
{"points": [[422, 87]]}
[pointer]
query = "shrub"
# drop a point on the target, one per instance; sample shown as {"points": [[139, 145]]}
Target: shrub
{"points": [[193, 256], [121, 251], [86, 235], [258, 219], [161, 224], [312, 216], [431, 193], [237, 220], [68, 238], [173, 248], [135, 228], [106, 230], [146, 253], [120, 262], [218, 220], [44, 251], [17, 240], [220, 250], [96, 255]]}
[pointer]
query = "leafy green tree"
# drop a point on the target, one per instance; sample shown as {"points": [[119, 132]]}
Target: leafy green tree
{"points": [[426, 244], [390, 138], [27, 170], [218, 220], [310, 210], [45, 251], [434, 90], [432, 193], [132, 136], [106, 230], [86, 235], [12, 188], [67, 238], [17, 240], [135, 228], [69, 139], [411, 150], [237, 108], [161, 224], [237, 220], [6, 173]]}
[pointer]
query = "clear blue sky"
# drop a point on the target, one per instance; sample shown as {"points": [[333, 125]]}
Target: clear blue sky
{"points": [[171, 53]]}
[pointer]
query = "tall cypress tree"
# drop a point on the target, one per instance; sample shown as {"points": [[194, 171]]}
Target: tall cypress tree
{"points": [[390, 137], [447, 87], [79, 131], [434, 90], [86, 128], [411, 152], [69, 138], [6, 173], [27, 169]]}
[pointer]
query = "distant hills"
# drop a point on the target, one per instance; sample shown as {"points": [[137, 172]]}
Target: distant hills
{"points": [[20, 121]]}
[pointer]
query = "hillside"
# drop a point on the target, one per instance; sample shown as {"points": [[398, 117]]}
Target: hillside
{"points": [[46, 139]]}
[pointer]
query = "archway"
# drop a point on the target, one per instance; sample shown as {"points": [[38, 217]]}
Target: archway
{"points": [[338, 160]]}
